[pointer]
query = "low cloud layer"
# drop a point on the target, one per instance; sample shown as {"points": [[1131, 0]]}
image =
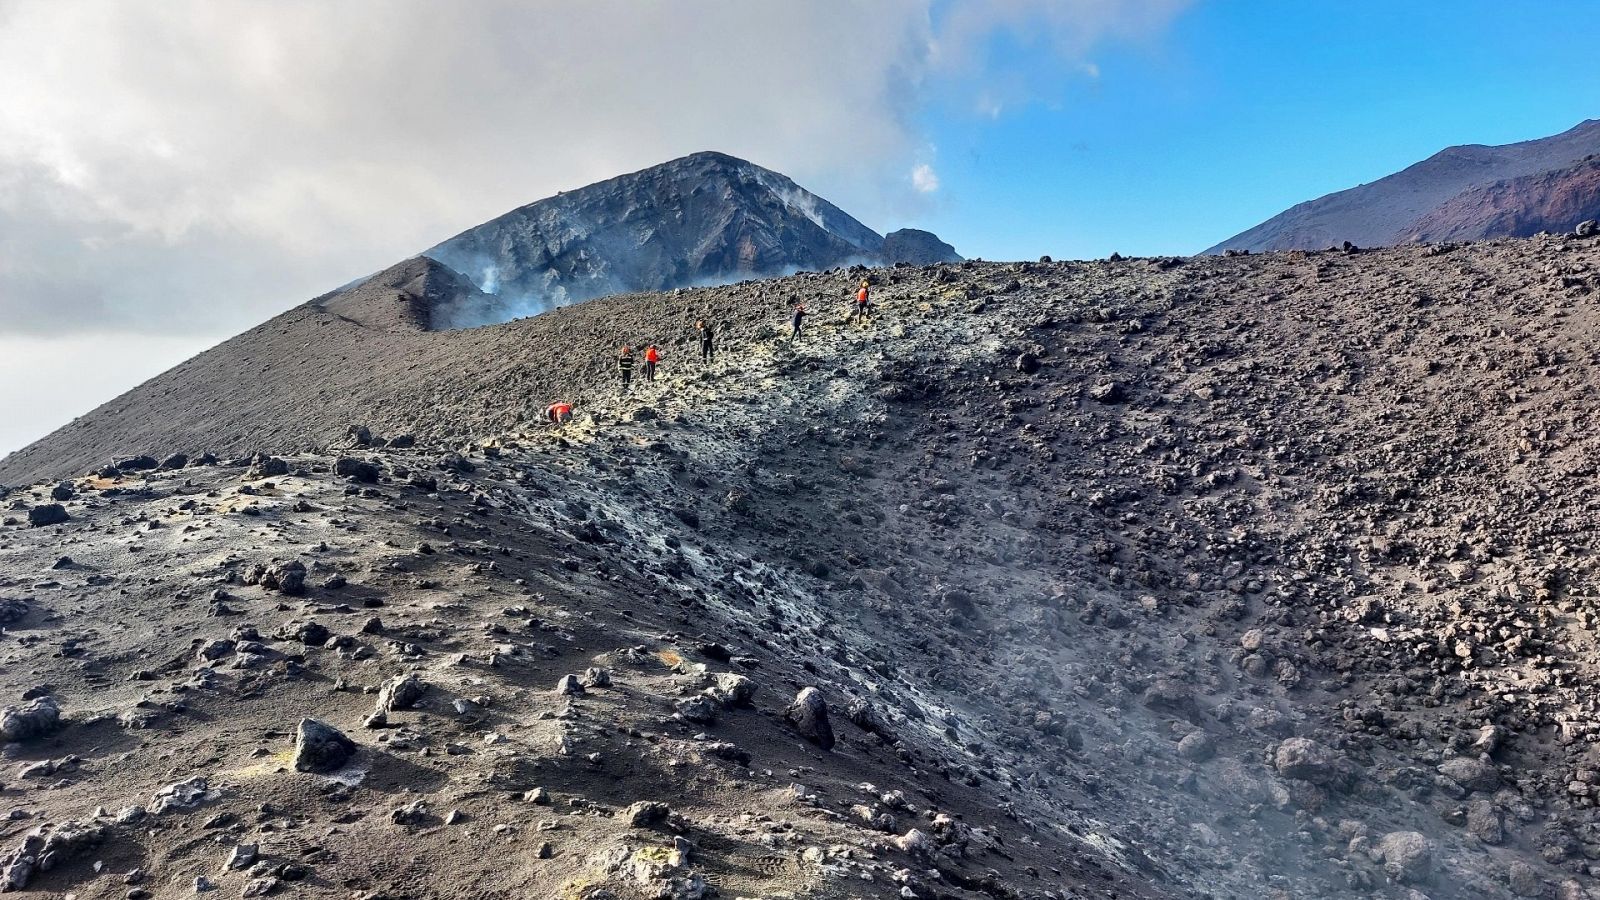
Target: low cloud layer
{"points": [[195, 165]]}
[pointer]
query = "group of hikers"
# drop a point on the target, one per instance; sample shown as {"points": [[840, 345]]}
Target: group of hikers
{"points": [[561, 412]]}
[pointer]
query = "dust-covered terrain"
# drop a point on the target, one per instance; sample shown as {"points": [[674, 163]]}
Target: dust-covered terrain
{"points": [[1260, 576]]}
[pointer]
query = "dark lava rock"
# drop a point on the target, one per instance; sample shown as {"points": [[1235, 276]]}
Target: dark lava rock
{"points": [[359, 469], [319, 747], [47, 514], [137, 464], [809, 716]]}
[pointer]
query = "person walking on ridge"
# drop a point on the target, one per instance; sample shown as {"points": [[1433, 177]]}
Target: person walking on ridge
{"points": [[651, 357], [797, 322], [708, 340], [625, 366], [863, 303]]}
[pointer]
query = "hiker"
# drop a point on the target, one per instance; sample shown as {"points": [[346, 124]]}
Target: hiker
{"points": [[862, 303], [708, 340], [797, 322], [625, 366], [651, 357], [559, 413]]}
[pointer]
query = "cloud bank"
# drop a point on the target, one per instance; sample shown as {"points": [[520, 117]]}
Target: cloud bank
{"points": [[195, 165]]}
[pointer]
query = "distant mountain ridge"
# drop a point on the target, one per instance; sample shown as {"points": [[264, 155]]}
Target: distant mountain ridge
{"points": [[706, 218], [1435, 197]]}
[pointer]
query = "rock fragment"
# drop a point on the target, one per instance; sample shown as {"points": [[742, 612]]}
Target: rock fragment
{"points": [[400, 692], [46, 514], [319, 747], [809, 716], [1407, 856], [1304, 759], [34, 719]]}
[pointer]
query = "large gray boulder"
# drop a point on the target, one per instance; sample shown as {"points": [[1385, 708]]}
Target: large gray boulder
{"points": [[1305, 760]]}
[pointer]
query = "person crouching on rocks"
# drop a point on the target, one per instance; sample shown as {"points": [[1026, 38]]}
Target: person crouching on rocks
{"points": [[797, 322], [625, 367], [651, 357], [559, 413]]}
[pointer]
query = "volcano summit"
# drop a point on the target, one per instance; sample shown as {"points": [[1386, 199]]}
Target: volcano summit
{"points": [[703, 219]]}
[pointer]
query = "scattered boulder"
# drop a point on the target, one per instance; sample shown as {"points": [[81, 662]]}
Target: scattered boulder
{"points": [[319, 747], [1108, 392], [1524, 880], [401, 692], [731, 689], [1587, 228], [44, 848], [698, 709], [37, 718], [1407, 856], [1196, 746], [569, 685], [917, 843], [181, 796], [62, 492], [809, 716], [1484, 823], [646, 814], [1303, 759], [264, 466], [285, 577], [1169, 696], [1472, 774], [455, 462], [136, 464], [356, 469], [47, 514]]}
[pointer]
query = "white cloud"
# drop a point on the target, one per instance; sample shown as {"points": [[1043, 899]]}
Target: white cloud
{"points": [[193, 166], [196, 164], [924, 179]]}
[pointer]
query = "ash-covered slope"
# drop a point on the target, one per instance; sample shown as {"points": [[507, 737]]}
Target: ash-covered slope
{"points": [[1401, 206], [1519, 207], [703, 219], [1150, 578]]}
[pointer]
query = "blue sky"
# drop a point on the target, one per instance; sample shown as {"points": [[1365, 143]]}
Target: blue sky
{"points": [[1240, 109], [174, 173]]}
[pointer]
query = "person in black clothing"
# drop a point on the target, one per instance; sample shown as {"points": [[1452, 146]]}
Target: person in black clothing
{"points": [[708, 340], [625, 367], [798, 321]]}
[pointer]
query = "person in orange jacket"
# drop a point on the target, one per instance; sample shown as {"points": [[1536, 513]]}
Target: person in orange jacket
{"points": [[651, 357], [862, 303], [559, 413]]}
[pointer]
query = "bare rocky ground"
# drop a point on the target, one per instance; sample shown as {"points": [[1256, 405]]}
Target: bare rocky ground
{"points": [[1240, 577]]}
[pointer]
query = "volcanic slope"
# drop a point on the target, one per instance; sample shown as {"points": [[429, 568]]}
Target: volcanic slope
{"points": [[706, 218], [1225, 577], [1465, 192]]}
